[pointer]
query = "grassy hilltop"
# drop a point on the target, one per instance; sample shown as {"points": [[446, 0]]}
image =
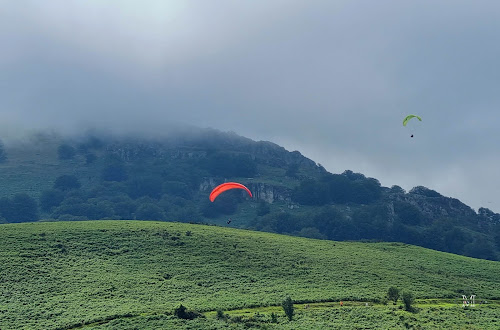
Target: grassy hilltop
{"points": [[132, 274]]}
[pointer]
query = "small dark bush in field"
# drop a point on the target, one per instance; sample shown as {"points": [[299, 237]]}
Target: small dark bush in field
{"points": [[188, 233], [237, 319], [220, 315], [287, 305], [274, 318], [182, 313], [393, 294], [408, 300]]}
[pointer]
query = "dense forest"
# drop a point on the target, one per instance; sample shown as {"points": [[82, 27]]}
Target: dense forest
{"points": [[51, 178]]}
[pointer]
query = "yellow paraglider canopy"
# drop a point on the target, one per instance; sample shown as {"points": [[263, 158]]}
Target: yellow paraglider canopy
{"points": [[407, 118]]}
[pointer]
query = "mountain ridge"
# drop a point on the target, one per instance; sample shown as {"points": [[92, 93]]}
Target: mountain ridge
{"points": [[131, 177]]}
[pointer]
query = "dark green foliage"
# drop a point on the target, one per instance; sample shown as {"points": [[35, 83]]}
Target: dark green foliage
{"points": [[366, 191], [185, 214], [65, 151], [497, 236], [67, 182], [90, 209], [90, 158], [274, 318], [292, 170], [182, 313], [371, 222], [20, 208], [145, 186], [333, 224], [287, 305], [263, 208], [282, 222], [407, 213], [338, 188], [224, 204], [408, 300], [176, 188], [149, 211], [480, 248], [455, 240], [397, 190], [424, 191], [115, 172], [311, 192], [124, 208], [230, 164], [51, 198], [393, 294], [311, 232], [221, 315]]}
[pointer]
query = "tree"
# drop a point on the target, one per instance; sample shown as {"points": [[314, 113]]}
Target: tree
{"points": [[408, 300], [182, 313], [149, 211], [21, 208], [51, 198], [397, 190], [287, 305], [145, 186], [90, 158], [480, 248], [67, 182], [292, 170], [407, 213], [393, 294], [65, 151], [263, 208], [114, 172]]}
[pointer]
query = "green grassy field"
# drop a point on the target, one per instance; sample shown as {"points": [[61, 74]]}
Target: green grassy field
{"points": [[132, 274]]}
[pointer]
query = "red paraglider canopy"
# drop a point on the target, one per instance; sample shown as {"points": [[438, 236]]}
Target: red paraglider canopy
{"points": [[226, 186]]}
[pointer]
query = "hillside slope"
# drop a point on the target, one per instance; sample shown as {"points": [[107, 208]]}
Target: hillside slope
{"points": [[61, 274], [103, 177]]}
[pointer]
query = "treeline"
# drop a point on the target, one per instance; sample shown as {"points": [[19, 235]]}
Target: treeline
{"points": [[373, 223], [347, 187]]}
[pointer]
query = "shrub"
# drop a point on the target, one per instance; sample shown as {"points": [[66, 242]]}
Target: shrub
{"points": [[221, 315], [408, 300], [287, 305], [393, 294], [67, 182], [115, 172], [51, 198], [182, 313]]}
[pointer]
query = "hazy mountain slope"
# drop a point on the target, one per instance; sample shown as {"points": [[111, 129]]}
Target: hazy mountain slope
{"points": [[122, 177]]}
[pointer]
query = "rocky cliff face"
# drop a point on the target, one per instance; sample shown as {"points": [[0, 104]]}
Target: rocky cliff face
{"points": [[260, 191]]}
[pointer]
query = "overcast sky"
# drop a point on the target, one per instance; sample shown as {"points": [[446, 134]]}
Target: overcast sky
{"points": [[332, 79]]}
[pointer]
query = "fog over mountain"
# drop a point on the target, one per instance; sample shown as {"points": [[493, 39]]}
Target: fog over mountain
{"points": [[333, 80]]}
